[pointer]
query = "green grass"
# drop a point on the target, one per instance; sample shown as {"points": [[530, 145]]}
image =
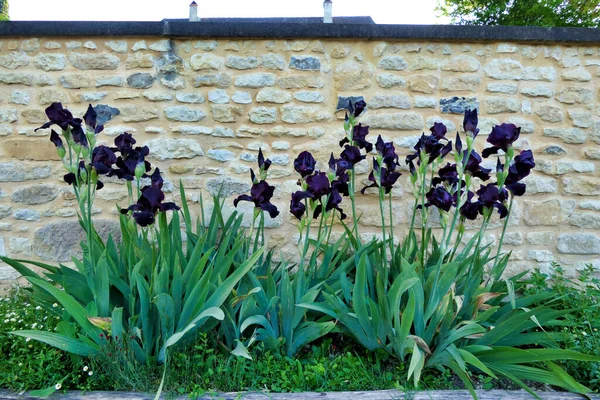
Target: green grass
{"points": [[583, 295]]}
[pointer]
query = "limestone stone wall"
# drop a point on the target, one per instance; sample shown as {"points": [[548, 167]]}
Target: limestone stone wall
{"points": [[205, 107]]}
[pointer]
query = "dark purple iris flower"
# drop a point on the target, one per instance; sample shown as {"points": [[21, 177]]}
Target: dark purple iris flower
{"points": [[124, 141], [57, 115], [305, 164], [388, 152], [470, 122], [103, 158], [438, 130], [297, 207], [351, 155], [473, 167], [318, 184], [470, 210], [54, 138], [263, 164], [458, 143], [261, 195], [77, 132], [387, 178], [150, 202], [62, 117], [501, 138], [432, 146], [440, 198], [447, 174], [333, 203], [359, 135], [130, 157], [522, 166], [340, 184], [355, 108], [492, 197]]}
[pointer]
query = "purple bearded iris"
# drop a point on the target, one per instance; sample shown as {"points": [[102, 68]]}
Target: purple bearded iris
{"points": [[349, 157], [522, 166], [340, 183], [385, 178], [103, 158], [440, 198], [447, 174], [130, 158], [431, 145], [388, 153], [333, 203], [470, 210], [501, 138], [261, 195], [150, 202], [492, 197], [297, 207], [470, 122], [318, 184], [305, 164], [473, 167], [359, 136], [62, 117]]}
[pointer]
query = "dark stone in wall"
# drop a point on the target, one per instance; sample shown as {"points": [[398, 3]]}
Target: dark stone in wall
{"points": [[140, 80], [105, 113], [458, 105]]}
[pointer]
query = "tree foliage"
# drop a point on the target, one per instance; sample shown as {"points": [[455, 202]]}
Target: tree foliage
{"points": [[548, 13]]}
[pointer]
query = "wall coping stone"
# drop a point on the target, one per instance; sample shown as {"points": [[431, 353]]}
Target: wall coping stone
{"points": [[231, 28]]}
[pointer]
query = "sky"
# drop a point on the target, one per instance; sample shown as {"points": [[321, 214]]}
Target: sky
{"points": [[382, 11]]}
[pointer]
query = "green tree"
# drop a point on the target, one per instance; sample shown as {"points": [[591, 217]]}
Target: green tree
{"points": [[572, 13], [4, 10]]}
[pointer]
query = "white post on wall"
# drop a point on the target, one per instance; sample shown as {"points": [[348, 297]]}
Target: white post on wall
{"points": [[328, 13], [193, 12]]}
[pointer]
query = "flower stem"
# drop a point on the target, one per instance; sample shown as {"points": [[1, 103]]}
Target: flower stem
{"points": [[384, 247], [391, 226], [503, 233], [352, 201]]}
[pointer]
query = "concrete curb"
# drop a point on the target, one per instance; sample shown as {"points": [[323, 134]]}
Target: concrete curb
{"points": [[370, 395]]}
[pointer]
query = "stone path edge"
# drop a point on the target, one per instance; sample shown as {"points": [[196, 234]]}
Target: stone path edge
{"points": [[229, 29], [367, 395]]}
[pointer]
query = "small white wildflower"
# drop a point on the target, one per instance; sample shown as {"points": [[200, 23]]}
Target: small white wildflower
{"points": [[20, 364], [41, 326], [85, 368], [45, 318], [28, 339], [6, 321], [13, 320], [584, 333], [19, 321], [54, 305], [33, 325], [91, 373], [57, 386], [39, 308]]}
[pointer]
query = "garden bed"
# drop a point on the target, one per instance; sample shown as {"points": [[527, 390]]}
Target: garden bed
{"points": [[185, 306]]}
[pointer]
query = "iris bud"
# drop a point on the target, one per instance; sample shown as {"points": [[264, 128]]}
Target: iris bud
{"points": [[140, 169], [61, 152], [84, 174], [510, 152]]}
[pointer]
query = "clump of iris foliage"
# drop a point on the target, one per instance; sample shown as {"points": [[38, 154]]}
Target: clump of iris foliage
{"points": [[433, 301]]}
